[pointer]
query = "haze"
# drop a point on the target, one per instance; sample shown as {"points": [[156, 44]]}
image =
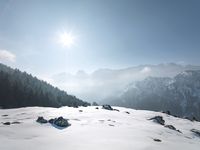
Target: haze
{"points": [[53, 38]]}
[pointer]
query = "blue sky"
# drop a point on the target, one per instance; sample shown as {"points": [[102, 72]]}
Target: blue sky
{"points": [[108, 34]]}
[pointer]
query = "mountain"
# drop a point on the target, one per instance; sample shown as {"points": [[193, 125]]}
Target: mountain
{"points": [[19, 89], [97, 129], [104, 83], [180, 94]]}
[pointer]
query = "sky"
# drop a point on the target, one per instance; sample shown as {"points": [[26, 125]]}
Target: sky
{"points": [[46, 37]]}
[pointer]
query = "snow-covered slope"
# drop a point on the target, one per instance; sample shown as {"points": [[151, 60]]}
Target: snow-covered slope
{"points": [[94, 129]]}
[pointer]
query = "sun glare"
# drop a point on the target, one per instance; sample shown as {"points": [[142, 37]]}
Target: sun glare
{"points": [[66, 39]]}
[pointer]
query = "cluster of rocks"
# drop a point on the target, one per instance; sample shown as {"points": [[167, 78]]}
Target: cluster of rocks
{"points": [[161, 121], [59, 122], [193, 118], [9, 123]]}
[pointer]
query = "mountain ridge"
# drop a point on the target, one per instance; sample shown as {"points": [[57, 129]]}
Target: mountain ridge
{"points": [[180, 94]]}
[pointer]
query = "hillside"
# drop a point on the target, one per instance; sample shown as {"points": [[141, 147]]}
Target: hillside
{"points": [[180, 95], [19, 89], [97, 129]]}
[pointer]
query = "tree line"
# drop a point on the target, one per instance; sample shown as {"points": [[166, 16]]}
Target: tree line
{"points": [[20, 89]]}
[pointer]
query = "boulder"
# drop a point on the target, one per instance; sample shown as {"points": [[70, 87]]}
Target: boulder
{"points": [[16, 122], [127, 112], [41, 120], [167, 112], [51, 121], [107, 107], [194, 119], [197, 132], [61, 122], [6, 123], [172, 128], [116, 109], [157, 140], [158, 119]]}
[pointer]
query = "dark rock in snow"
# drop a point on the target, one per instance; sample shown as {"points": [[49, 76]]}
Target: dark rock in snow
{"points": [[116, 109], [111, 125], [185, 117], [51, 121], [158, 119], [41, 120], [80, 110], [197, 132], [107, 107], [172, 128], [194, 119], [157, 140], [4, 115], [61, 122], [97, 108], [16, 122], [6, 123], [167, 112], [127, 112]]}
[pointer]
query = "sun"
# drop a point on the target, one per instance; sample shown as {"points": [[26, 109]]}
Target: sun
{"points": [[66, 39]]}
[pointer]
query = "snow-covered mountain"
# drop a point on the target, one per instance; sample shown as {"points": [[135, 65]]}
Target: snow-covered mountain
{"points": [[104, 83], [97, 129], [180, 95]]}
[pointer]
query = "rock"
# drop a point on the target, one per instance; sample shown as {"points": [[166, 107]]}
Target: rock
{"points": [[6, 123], [97, 108], [157, 140], [4, 115], [41, 120], [172, 128], [158, 119], [80, 110], [61, 122], [116, 109], [127, 112], [107, 107], [197, 132], [167, 112], [51, 121], [186, 117], [194, 119], [16, 122], [111, 125]]}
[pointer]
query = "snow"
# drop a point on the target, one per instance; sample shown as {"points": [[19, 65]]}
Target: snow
{"points": [[94, 129]]}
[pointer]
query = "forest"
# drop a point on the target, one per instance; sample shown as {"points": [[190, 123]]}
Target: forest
{"points": [[20, 89]]}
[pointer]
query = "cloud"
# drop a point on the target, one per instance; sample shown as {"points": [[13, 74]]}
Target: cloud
{"points": [[7, 56], [146, 70]]}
